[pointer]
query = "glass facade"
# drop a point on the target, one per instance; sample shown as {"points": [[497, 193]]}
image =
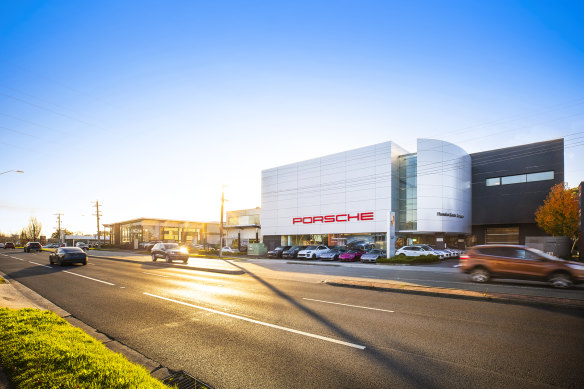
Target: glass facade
{"points": [[408, 192], [520, 178], [374, 240]]}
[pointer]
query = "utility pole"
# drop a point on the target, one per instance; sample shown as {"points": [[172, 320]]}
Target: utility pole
{"points": [[221, 225], [59, 228], [98, 214]]}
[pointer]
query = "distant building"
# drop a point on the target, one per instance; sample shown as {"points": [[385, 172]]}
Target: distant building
{"points": [[144, 230], [243, 227]]}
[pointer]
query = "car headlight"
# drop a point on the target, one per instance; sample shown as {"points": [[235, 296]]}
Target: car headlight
{"points": [[576, 267], [184, 250]]}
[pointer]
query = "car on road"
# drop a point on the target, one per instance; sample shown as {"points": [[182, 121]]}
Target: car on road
{"points": [[1, 245], [229, 250], [485, 262], [51, 246], [32, 246], [352, 255], [373, 255], [292, 252], [417, 251], [170, 252], [66, 255], [312, 252], [333, 254], [82, 245], [278, 251], [9, 245]]}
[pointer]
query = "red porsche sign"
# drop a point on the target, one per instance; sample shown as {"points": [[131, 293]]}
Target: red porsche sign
{"points": [[340, 218]]}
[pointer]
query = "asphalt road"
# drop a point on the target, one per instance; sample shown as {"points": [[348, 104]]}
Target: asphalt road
{"points": [[274, 329]]}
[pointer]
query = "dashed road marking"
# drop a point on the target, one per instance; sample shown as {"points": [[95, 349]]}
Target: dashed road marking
{"points": [[152, 274], [261, 323], [349, 305], [89, 278]]}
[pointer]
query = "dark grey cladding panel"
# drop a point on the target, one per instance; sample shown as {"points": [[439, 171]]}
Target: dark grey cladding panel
{"points": [[515, 203]]}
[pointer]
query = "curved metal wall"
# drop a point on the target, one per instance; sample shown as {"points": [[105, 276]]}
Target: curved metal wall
{"points": [[444, 188]]}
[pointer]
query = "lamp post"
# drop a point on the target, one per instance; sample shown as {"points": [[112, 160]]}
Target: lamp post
{"points": [[16, 171]]}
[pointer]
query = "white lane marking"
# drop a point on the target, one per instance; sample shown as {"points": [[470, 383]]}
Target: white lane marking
{"points": [[261, 323], [89, 278], [152, 274], [20, 259], [40, 264], [349, 305], [369, 276]]}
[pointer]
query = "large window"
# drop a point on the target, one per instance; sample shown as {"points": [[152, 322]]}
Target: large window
{"points": [[408, 192], [520, 178]]}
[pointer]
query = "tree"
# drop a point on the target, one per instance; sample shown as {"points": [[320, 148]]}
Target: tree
{"points": [[32, 232], [64, 231], [558, 216]]}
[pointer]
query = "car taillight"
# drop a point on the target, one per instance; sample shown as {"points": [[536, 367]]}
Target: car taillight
{"points": [[464, 257]]}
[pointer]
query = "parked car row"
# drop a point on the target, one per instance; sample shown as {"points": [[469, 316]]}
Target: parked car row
{"points": [[325, 253], [424, 249]]}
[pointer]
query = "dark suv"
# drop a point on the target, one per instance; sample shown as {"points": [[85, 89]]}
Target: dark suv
{"points": [[277, 252], [519, 262], [170, 252], [292, 252], [33, 246]]}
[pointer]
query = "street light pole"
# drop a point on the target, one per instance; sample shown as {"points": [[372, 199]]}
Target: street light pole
{"points": [[16, 171]]}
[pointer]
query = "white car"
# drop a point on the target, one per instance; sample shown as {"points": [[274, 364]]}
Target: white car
{"points": [[313, 252], [228, 250], [444, 253], [417, 251], [1, 245]]}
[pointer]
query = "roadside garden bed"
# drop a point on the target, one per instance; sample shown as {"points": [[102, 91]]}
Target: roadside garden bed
{"points": [[405, 260]]}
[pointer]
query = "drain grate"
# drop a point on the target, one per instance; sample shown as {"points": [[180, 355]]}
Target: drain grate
{"points": [[183, 380]]}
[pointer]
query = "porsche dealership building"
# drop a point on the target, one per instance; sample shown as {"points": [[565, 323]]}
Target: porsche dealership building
{"points": [[387, 196]]}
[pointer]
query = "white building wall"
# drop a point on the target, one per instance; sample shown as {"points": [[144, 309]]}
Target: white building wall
{"points": [[349, 182], [444, 186]]}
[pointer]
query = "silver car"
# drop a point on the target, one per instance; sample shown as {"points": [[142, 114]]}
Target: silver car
{"points": [[373, 255]]}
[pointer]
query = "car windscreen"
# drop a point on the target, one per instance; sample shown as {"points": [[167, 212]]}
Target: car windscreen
{"points": [[311, 248], [72, 250], [170, 246]]}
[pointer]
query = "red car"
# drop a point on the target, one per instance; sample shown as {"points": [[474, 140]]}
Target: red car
{"points": [[351, 255], [9, 245]]}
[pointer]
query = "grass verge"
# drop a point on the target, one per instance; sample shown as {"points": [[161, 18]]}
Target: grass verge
{"points": [[38, 349], [2, 280]]}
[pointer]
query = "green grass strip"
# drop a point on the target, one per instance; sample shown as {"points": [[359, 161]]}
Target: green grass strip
{"points": [[405, 260], [38, 349]]}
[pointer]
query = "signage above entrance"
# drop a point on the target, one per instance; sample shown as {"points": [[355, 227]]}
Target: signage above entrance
{"points": [[450, 214], [340, 218]]}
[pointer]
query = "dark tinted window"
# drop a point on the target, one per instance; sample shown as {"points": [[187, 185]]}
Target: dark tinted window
{"points": [[72, 250]]}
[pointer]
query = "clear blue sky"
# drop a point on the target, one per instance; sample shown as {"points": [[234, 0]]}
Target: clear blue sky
{"points": [[150, 106]]}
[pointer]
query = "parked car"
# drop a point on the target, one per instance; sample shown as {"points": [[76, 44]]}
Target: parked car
{"points": [[362, 245], [170, 252], [332, 254], [9, 245], [64, 255], [229, 250], [373, 255], [32, 246], [312, 252], [352, 255], [519, 262], [292, 252], [278, 251], [1, 245], [148, 246], [445, 254], [454, 253], [51, 246], [417, 251], [82, 245]]}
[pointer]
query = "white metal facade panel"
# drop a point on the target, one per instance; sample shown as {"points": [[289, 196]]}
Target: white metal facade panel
{"points": [[350, 182], [444, 186]]}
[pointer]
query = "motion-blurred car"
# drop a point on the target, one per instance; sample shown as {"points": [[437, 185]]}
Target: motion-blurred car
{"points": [[333, 254], [373, 255], [65, 255], [292, 252], [82, 245], [519, 262], [51, 246], [9, 245], [417, 251], [312, 252], [170, 252], [32, 246], [351, 255], [228, 250], [278, 251]]}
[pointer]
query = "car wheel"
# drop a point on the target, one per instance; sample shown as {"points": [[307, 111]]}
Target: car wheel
{"points": [[560, 280], [50, 260], [153, 257], [84, 262], [168, 258], [313, 256], [185, 260], [480, 274], [60, 262]]}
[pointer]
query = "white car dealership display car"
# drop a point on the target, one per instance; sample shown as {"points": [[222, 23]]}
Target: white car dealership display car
{"points": [[313, 252], [417, 251]]}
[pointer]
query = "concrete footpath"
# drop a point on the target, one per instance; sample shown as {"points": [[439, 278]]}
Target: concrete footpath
{"points": [[506, 298]]}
